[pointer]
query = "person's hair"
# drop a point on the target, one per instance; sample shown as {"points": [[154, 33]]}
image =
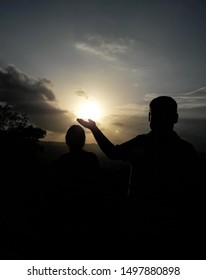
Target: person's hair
{"points": [[164, 104], [75, 137]]}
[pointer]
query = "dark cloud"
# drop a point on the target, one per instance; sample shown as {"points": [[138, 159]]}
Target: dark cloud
{"points": [[15, 85], [81, 93], [34, 97]]}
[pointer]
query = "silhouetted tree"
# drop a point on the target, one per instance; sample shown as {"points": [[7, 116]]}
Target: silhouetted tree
{"points": [[19, 139], [15, 122], [19, 178], [11, 120]]}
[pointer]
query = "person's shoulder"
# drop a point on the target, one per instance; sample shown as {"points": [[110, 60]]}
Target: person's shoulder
{"points": [[137, 140], [90, 159], [89, 154], [64, 156], [60, 162], [186, 146], [182, 142], [143, 138]]}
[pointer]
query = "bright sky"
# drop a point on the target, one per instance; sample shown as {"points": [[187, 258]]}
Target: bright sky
{"points": [[62, 59]]}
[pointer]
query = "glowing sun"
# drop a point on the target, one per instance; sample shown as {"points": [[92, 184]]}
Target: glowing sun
{"points": [[89, 110]]}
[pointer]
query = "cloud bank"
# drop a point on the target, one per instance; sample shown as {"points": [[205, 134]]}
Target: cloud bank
{"points": [[34, 97]]}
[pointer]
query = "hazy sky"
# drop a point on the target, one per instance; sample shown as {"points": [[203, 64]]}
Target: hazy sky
{"points": [[56, 55]]}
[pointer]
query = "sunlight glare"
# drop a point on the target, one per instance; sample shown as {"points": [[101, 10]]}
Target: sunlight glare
{"points": [[89, 110]]}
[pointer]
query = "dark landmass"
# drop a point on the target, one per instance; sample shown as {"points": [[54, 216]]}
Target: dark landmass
{"points": [[117, 170], [36, 215], [52, 150]]}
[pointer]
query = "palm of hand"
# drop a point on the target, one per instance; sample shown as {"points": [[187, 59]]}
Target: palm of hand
{"points": [[88, 124]]}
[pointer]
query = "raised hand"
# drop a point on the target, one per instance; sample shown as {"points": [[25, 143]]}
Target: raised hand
{"points": [[90, 124]]}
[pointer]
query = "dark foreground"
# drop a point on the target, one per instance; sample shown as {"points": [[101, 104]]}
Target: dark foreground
{"points": [[43, 219]]}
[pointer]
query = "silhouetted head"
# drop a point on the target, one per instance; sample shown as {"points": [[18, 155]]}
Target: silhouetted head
{"points": [[163, 114], [75, 137]]}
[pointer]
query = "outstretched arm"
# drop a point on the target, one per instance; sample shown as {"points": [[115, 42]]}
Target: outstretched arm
{"points": [[105, 145]]}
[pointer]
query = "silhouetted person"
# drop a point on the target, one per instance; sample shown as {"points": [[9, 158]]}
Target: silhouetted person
{"points": [[75, 197], [162, 165], [78, 168]]}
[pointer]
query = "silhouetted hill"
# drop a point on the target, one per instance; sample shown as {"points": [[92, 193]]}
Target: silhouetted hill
{"points": [[117, 170], [41, 220], [52, 150]]}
